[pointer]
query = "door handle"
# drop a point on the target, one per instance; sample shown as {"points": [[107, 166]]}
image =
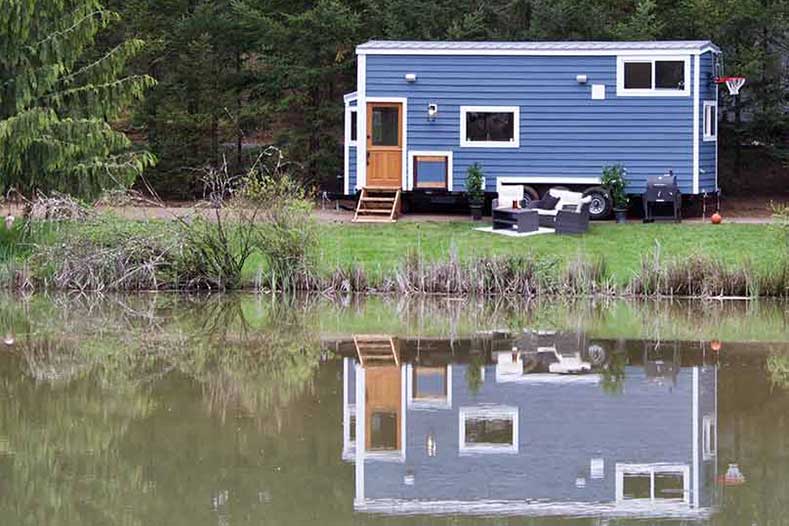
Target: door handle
{"points": [[368, 158]]}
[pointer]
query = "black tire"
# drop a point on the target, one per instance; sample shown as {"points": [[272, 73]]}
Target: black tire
{"points": [[529, 195], [597, 354], [601, 205]]}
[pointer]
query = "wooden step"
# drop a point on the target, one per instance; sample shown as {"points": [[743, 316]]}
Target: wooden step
{"points": [[373, 208], [376, 350]]}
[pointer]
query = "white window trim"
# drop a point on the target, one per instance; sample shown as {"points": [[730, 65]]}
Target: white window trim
{"points": [[352, 142], [428, 404], [514, 143], [621, 91], [651, 470], [710, 446], [487, 412], [429, 153], [713, 107]]}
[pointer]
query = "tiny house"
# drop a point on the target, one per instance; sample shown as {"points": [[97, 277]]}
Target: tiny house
{"points": [[536, 114]]}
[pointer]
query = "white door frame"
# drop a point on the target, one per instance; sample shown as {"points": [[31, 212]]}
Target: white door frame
{"points": [[361, 148]]}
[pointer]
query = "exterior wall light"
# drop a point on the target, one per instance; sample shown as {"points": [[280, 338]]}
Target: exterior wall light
{"points": [[581, 79], [432, 111], [410, 77]]}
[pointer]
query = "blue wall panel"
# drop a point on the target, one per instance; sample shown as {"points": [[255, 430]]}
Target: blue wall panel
{"points": [[352, 169], [563, 132], [707, 149]]}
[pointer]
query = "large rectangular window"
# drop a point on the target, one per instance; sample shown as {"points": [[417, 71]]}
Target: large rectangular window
{"points": [[491, 429], [489, 126], [710, 120], [653, 76], [653, 482]]}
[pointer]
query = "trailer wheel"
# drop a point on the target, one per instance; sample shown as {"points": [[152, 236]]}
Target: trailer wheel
{"points": [[529, 195], [601, 205]]}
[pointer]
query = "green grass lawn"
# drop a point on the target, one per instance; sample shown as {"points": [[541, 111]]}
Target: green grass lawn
{"points": [[382, 247]]}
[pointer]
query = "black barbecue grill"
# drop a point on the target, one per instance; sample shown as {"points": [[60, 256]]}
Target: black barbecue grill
{"points": [[662, 193]]}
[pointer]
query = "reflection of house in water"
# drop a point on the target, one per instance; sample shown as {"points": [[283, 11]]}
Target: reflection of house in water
{"points": [[527, 440]]}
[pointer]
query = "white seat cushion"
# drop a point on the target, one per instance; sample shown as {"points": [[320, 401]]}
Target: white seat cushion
{"points": [[509, 193]]}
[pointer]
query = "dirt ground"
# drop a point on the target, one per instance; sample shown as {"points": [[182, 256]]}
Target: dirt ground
{"points": [[734, 210]]}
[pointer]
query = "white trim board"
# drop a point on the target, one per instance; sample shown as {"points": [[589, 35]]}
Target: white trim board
{"points": [[621, 91], [527, 179], [435, 153], [348, 144], [524, 52], [516, 127], [361, 124], [696, 84]]}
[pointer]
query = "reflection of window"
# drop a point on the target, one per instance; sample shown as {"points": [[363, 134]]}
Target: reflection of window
{"points": [[429, 383], [710, 120], [652, 482], [489, 126], [488, 429], [386, 123], [383, 431], [352, 428], [710, 437], [650, 76]]}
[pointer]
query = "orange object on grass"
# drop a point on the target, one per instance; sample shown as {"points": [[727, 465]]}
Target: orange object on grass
{"points": [[716, 218]]}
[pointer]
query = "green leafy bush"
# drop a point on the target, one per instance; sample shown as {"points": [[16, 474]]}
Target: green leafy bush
{"points": [[613, 178], [475, 181]]}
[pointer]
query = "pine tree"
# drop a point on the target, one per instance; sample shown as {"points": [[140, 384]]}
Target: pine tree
{"points": [[58, 96]]}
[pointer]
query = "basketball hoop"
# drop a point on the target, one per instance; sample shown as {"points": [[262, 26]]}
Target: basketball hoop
{"points": [[733, 83]]}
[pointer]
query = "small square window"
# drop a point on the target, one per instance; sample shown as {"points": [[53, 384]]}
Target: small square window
{"points": [[489, 126], [638, 75]]}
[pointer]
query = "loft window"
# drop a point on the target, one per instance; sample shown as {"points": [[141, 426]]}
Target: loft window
{"points": [[710, 120], [649, 76], [489, 126]]}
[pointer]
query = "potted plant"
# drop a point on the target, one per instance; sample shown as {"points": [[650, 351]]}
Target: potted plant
{"points": [[613, 178], [475, 188]]}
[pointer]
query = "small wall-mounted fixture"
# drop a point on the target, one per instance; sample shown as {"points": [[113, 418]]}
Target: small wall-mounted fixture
{"points": [[581, 79], [432, 111], [410, 77]]}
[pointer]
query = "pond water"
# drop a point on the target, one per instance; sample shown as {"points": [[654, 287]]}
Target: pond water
{"points": [[235, 410]]}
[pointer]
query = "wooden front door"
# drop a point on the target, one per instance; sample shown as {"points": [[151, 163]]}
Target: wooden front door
{"points": [[385, 144]]}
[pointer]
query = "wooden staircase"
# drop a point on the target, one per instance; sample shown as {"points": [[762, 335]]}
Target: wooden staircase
{"points": [[378, 204], [376, 350]]}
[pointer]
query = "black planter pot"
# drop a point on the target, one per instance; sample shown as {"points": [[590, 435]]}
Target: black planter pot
{"points": [[476, 211], [621, 215]]}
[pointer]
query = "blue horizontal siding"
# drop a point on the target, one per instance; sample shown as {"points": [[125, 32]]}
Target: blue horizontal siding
{"points": [[708, 164], [352, 169], [563, 132]]}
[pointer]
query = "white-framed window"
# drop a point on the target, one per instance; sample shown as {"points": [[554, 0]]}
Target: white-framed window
{"points": [[653, 76], [352, 117], [710, 120], [488, 430], [710, 437], [653, 482], [490, 126]]}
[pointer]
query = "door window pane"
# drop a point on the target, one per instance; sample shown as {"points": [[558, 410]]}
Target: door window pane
{"points": [[385, 126], [383, 435], [670, 74], [490, 126], [638, 75]]}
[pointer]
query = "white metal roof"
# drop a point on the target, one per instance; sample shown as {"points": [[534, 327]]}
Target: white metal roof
{"points": [[559, 48]]}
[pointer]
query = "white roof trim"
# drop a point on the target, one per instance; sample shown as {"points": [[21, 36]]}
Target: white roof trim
{"points": [[349, 97], [381, 47]]}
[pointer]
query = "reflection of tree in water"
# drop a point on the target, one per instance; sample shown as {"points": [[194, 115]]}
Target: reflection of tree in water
{"points": [[88, 373], [778, 368]]}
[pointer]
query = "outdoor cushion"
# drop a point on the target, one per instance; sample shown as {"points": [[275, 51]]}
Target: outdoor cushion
{"points": [[508, 194], [548, 202]]}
